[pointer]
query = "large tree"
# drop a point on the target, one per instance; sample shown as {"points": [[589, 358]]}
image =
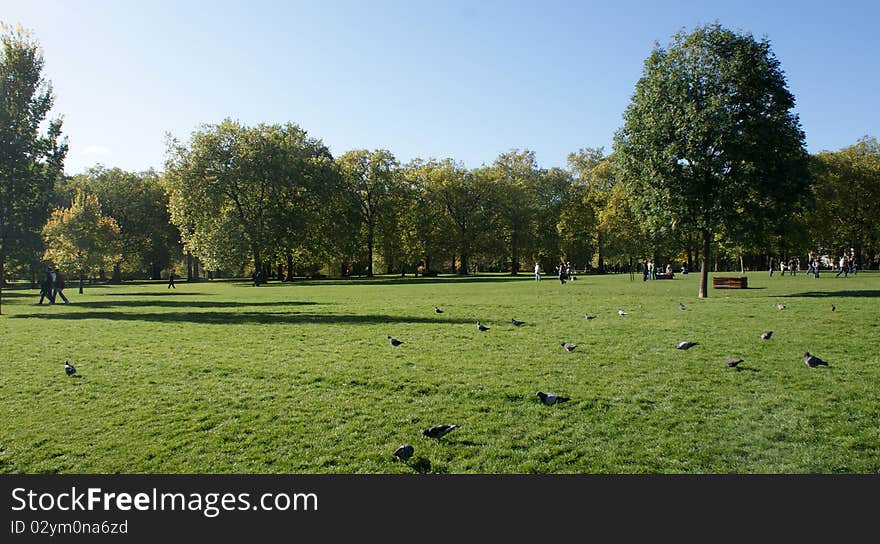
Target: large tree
{"points": [[235, 191], [516, 174], [139, 204], [81, 238], [372, 178], [847, 191], [710, 141], [31, 158]]}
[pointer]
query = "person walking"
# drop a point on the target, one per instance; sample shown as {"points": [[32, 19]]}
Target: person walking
{"points": [[770, 266], [537, 272], [46, 290], [843, 267], [561, 274], [58, 284], [171, 280]]}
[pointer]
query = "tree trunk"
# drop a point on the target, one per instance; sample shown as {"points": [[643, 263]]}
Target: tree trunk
{"points": [[81, 280], [117, 273], [370, 251], [195, 274], [290, 266], [452, 268], [189, 266], [2, 277], [742, 266], [704, 266], [463, 267]]}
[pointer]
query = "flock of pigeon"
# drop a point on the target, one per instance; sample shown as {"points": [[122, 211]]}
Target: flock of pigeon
{"points": [[406, 451]]}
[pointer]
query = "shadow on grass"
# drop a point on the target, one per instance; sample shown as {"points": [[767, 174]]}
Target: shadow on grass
{"points": [[239, 318], [184, 304], [397, 280], [859, 293]]}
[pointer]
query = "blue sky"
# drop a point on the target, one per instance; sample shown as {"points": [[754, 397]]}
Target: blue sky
{"points": [[461, 79]]}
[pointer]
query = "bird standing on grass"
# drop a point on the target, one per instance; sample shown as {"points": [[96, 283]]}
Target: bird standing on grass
{"points": [[439, 431], [68, 368], [569, 346], [780, 306], [404, 452], [833, 308], [684, 344], [681, 306], [812, 361], [733, 361], [620, 312], [482, 327], [394, 341], [766, 335], [550, 399], [589, 316], [437, 310], [517, 322]]}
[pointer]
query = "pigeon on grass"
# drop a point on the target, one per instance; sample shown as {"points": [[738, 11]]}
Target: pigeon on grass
{"points": [[684, 344], [550, 399], [517, 322], [404, 452], [437, 310], [766, 335], [812, 361], [394, 341], [733, 361], [620, 312], [439, 431], [569, 346], [481, 327], [589, 316], [68, 368]]}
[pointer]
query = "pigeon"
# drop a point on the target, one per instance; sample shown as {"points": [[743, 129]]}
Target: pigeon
{"points": [[482, 327], [550, 399], [780, 306], [833, 308], [766, 335], [620, 312], [404, 452], [732, 362], [569, 346], [516, 322], [68, 368], [812, 361], [685, 345], [437, 310], [394, 341], [589, 316], [438, 431], [681, 306]]}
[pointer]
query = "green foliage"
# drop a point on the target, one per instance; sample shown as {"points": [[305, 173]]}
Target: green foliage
{"points": [[245, 194], [81, 238], [847, 195], [139, 204], [710, 141], [31, 158]]}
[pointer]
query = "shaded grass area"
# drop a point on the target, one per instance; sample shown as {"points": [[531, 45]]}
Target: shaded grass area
{"points": [[222, 377]]}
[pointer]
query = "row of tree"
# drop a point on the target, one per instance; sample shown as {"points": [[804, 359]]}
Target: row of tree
{"points": [[710, 163]]}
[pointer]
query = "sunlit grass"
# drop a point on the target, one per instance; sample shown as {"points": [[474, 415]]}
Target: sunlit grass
{"points": [[222, 377]]}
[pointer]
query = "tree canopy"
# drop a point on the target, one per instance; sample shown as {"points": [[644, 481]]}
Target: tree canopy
{"points": [[710, 141]]}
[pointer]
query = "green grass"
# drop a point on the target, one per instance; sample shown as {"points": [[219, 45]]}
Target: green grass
{"points": [[222, 377]]}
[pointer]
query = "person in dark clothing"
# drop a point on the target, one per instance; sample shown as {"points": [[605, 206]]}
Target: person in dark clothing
{"points": [[58, 284], [171, 281], [46, 290]]}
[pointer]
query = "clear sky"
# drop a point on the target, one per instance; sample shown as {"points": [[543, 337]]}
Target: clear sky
{"points": [[460, 79]]}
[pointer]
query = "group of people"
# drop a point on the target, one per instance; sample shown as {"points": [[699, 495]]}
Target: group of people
{"points": [[846, 266], [650, 270], [564, 271], [52, 286]]}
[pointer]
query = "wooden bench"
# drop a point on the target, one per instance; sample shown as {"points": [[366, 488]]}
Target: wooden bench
{"points": [[664, 275], [730, 282]]}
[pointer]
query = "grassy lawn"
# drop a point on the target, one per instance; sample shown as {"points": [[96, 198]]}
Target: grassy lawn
{"points": [[222, 377]]}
